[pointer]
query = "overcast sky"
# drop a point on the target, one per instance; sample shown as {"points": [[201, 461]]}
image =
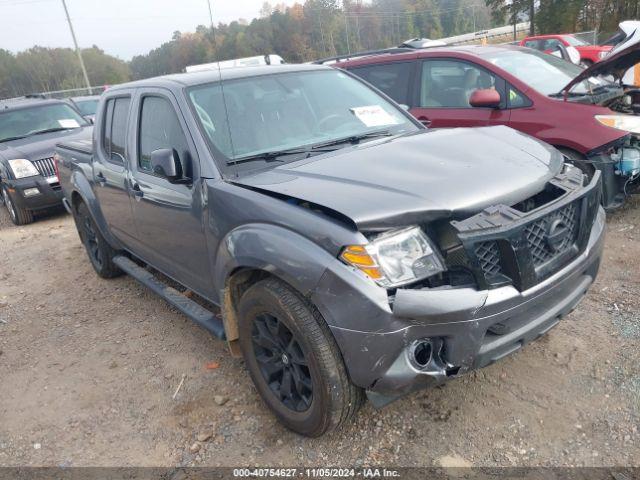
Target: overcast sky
{"points": [[123, 28]]}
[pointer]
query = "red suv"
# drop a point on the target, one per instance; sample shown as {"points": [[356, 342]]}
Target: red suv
{"points": [[589, 54], [474, 86]]}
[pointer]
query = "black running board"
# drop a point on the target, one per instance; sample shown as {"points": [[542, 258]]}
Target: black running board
{"points": [[191, 309]]}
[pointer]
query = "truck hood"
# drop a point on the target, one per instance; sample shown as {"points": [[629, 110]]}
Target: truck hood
{"points": [[41, 146], [621, 58], [411, 179]]}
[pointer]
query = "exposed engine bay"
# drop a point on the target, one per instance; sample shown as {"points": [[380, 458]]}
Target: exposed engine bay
{"points": [[628, 103]]}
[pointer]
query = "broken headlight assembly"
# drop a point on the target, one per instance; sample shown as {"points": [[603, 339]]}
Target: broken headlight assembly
{"points": [[396, 258]]}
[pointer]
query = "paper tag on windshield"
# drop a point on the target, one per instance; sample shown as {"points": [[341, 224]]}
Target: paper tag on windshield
{"points": [[373, 116], [68, 123]]}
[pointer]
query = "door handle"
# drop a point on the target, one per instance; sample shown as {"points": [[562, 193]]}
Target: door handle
{"points": [[136, 190], [101, 179], [425, 121]]}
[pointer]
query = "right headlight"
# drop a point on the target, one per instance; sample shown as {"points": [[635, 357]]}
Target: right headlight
{"points": [[21, 168], [628, 123], [396, 258]]}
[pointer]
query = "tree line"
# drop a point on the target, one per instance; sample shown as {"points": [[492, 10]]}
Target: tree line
{"points": [[306, 31]]}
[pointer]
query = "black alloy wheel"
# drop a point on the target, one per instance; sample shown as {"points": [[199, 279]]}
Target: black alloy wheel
{"points": [[282, 362]]}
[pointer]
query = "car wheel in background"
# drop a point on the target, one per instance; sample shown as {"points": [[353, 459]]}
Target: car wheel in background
{"points": [[294, 360], [99, 251], [19, 216]]}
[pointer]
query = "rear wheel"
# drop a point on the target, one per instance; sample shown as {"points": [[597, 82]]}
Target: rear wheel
{"points": [[19, 216], [99, 251], [294, 361]]}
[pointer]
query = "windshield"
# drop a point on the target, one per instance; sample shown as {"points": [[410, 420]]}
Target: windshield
{"points": [[291, 110], [574, 42], [545, 73], [32, 120], [87, 107]]}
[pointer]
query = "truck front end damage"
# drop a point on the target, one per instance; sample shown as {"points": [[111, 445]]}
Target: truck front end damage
{"points": [[511, 273]]}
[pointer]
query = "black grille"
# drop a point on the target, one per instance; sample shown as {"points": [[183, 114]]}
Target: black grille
{"points": [[489, 258], [537, 234], [45, 167], [509, 246]]}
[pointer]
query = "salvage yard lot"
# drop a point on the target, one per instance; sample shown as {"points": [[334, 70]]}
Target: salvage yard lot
{"points": [[89, 368]]}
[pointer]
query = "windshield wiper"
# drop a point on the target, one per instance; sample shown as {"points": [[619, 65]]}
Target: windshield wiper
{"points": [[8, 139], [274, 156], [49, 130], [355, 139], [30, 134]]}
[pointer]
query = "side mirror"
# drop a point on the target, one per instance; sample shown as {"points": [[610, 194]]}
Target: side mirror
{"points": [[166, 163], [486, 97]]}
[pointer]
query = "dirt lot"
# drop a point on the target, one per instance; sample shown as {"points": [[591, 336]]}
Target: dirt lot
{"points": [[88, 368]]}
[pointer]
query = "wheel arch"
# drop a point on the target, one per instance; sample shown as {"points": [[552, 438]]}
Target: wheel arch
{"points": [[251, 253], [81, 191]]}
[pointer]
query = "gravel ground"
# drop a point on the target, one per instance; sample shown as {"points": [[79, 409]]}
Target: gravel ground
{"points": [[89, 368]]}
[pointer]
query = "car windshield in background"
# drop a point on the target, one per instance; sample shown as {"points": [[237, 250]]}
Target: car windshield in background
{"points": [[23, 122], [268, 115], [87, 107], [574, 42], [545, 73]]}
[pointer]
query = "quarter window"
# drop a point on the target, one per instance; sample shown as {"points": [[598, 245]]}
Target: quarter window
{"points": [[450, 83], [115, 129], [160, 128], [392, 78], [517, 99]]}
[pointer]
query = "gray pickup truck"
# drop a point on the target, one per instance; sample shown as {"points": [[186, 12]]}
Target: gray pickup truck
{"points": [[349, 249]]}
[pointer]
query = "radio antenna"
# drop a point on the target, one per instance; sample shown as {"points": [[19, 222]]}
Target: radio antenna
{"points": [[224, 98]]}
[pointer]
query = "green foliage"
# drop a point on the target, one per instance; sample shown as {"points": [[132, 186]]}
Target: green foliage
{"points": [[306, 31], [316, 29], [41, 69], [559, 16]]}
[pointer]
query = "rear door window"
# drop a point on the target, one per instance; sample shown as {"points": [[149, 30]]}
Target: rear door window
{"points": [[450, 83], [392, 78], [115, 129]]}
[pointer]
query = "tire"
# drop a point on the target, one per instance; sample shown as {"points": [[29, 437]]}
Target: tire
{"points": [[579, 161], [99, 251], [282, 334], [19, 216]]}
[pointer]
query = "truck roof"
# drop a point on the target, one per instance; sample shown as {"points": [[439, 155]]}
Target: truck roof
{"points": [[197, 78]]}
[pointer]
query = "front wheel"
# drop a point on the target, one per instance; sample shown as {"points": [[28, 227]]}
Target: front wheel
{"points": [[19, 216], [99, 251], [294, 361]]}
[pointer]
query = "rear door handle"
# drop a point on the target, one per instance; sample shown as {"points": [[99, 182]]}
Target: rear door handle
{"points": [[101, 179], [136, 190], [425, 121]]}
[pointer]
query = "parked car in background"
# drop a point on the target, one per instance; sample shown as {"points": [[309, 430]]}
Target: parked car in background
{"points": [[349, 248], [589, 54], [592, 120], [86, 105], [29, 131]]}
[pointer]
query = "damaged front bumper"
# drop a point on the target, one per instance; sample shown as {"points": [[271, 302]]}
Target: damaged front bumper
{"points": [[427, 336]]}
